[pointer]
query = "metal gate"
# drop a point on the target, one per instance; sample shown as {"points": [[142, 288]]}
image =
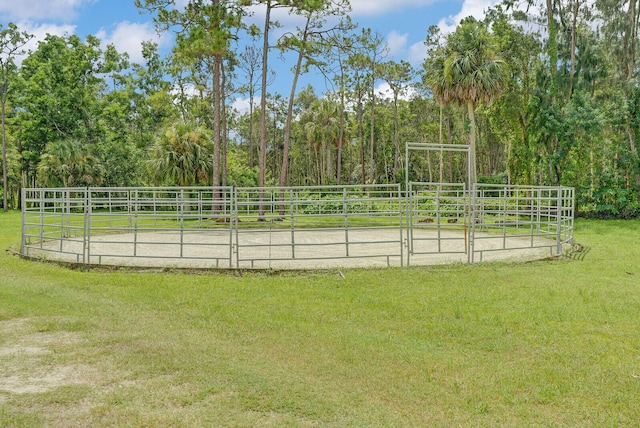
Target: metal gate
{"points": [[438, 218]]}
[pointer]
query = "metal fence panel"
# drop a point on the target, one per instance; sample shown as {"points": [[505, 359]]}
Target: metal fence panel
{"points": [[525, 217], [324, 224]]}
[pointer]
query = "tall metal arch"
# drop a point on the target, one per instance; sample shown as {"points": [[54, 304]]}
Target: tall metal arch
{"points": [[410, 146], [467, 207]]}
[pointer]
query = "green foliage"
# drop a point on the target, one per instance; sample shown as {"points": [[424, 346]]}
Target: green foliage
{"points": [[239, 174], [431, 204], [323, 130], [58, 95], [333, 204], [123, 163], [610, 201], [68, 163], [564, 109], [13, 174], [500, 178], [181, 156], [12, 42]]}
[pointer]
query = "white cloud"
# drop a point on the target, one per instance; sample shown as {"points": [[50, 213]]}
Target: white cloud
{"points": [[417, 53], [23, 10], [39, 31], [358, 7], [128, 37], [188, 91], [383, 90], [475, 8], [287, 21], [242, 104], [376, 7], [396, 43]]}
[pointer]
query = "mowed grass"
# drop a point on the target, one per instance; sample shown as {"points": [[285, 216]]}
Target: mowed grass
{"points": [[550, 343]]}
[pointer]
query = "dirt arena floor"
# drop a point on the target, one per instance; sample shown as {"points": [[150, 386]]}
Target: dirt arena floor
{"points": [[300, 249]]}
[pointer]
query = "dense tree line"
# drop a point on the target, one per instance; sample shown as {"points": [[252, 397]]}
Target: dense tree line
{"points": [[543, 92]]}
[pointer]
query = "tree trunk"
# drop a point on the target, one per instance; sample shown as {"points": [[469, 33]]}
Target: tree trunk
{"points": [[372, 138], [629, 42], [574, 29], [440, 141], [329, 164], [450, 152], [361, 137], [319, 168], [472, 145], [224, 124], [341, 131], [262, 155], [553, 47], [396, 136], [217, 59], [289, 120], [252, 149]]}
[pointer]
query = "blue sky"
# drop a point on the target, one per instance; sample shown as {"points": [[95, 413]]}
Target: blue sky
{"points": [[402, 23]]}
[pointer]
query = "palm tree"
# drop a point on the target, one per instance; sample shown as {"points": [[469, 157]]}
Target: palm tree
{"points": [[182, 155], [69, 163], [322, 132], [468, 71]]}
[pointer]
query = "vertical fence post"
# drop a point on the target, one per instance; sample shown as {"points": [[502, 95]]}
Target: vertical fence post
{"points": [[63, 209], [236, 208], [292, 223], [406, 167], [135, 223], [86, 252], [572, 203], [472, 219], [182, 214], [42, 211], [559, 223], [23, 192], [345, 210], [409, 207], [400, 217]]}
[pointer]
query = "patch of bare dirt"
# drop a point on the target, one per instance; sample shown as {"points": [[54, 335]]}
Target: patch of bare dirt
{"points": [[41, 380], [21, 350], [26, 363]]}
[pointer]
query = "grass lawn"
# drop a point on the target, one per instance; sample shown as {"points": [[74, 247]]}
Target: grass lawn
{"points": [[552, 343]]}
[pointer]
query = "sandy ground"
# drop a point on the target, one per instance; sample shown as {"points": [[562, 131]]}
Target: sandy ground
{"points": [[24, 353], [300, 249]]}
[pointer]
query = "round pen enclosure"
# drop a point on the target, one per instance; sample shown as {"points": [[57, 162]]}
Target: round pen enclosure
{"points": [[296, 227]]}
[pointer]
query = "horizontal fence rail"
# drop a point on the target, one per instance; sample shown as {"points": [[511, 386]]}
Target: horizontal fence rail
{"points": [[294, 227], [318, 223]]}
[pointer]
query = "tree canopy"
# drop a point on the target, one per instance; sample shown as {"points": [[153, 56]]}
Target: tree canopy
{"points": [[543, 92]]}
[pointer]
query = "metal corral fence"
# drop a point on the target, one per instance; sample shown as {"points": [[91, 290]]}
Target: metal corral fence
{"points": [[491, 220], [294, 227], [523, 216]]}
